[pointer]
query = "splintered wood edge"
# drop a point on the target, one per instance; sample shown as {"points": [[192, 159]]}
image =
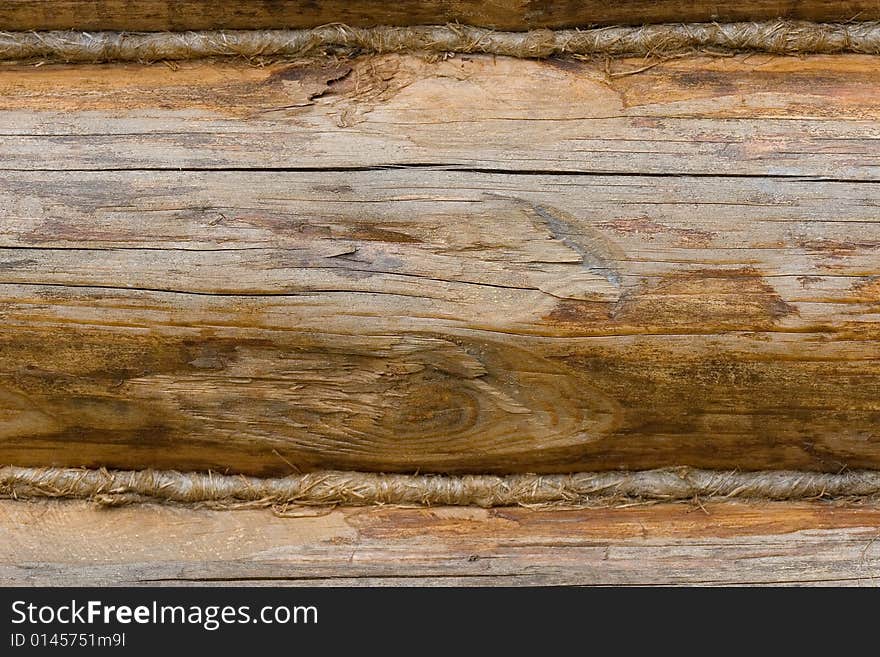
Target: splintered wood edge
{"points": [[74, 543], [178, 15]]}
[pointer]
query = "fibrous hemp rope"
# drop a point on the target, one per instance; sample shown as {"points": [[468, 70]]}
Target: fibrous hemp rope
{"points": [[776, 37], [117, 487]]}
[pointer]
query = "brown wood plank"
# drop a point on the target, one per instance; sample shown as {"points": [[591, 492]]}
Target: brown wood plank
{"points": [[72, 543], [399, 265], [437, 321], [744, 116], [153, 15]]}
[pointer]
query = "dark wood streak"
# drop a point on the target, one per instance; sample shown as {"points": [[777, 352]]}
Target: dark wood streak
{"points": [[176, 15]]}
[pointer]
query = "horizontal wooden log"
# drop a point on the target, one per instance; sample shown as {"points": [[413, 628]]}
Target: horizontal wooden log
{"points": [[389, 264], [437, 321], [72, 543], [154, 15], [740, 116]]}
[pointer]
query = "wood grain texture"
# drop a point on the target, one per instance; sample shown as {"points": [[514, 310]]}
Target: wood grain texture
{"points": [[740, 116], [153, 15], [388, 264], [72, 543]]}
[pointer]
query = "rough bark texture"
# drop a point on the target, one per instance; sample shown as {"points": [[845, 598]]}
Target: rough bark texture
{"points": [[71, 543], [481, 265], [664, 41], [153, 15]]}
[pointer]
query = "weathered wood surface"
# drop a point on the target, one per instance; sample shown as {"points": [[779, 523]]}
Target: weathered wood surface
{"points": [[437, 321], [152, 15], [388, 264], [742, 116], [72, 543]]}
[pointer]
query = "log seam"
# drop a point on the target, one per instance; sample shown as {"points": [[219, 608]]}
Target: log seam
{"points": [[329, 488], [775, 37]]}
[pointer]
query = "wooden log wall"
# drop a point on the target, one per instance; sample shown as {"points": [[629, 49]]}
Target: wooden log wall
{"points": [[157, 15], [472, 265]]}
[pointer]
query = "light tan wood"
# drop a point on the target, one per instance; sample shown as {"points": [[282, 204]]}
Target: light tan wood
{"points": [[742, 116], [288, 301], [71, 543], [152, 15]]}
